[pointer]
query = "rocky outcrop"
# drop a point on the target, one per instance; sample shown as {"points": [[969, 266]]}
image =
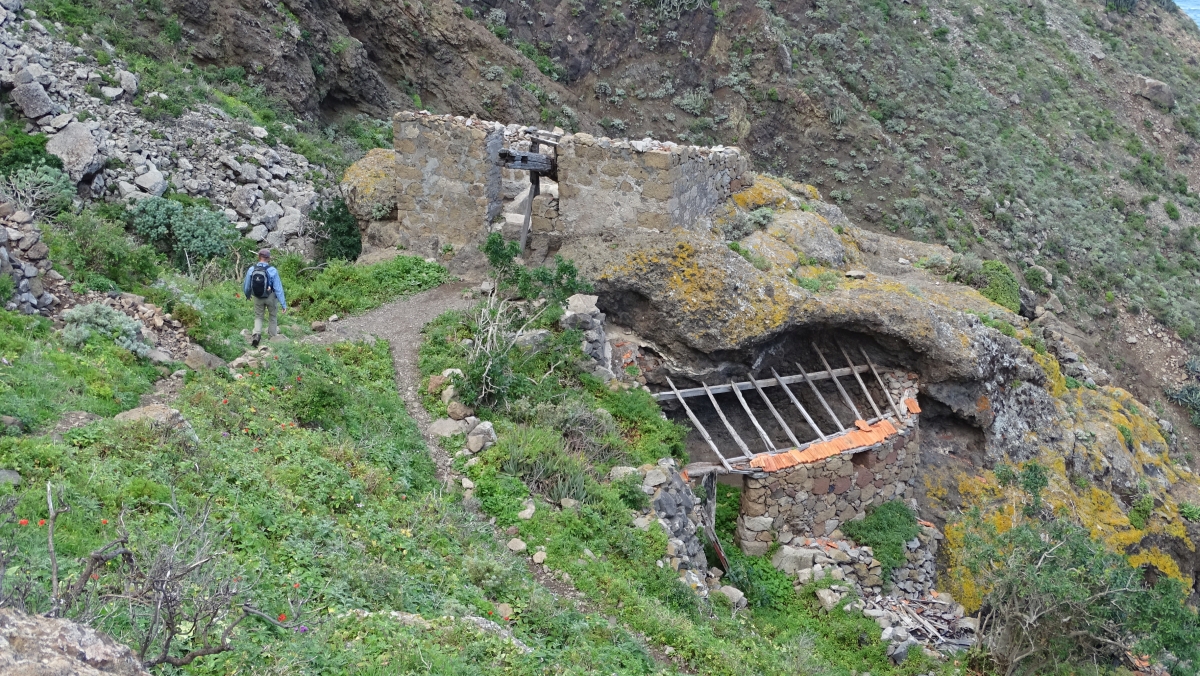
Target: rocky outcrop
{"points": [[1156, 90], [37, 287], [40, 646]]}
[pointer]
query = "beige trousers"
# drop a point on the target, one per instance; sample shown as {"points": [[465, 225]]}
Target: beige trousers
{"points": [[262, 305]]}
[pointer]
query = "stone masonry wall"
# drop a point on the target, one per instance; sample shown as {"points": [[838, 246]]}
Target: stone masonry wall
{"points": [[608, 185], [814, 499], [448, 186]]}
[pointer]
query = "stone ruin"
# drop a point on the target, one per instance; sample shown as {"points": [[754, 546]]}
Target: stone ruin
{"points": [[444, 188]]}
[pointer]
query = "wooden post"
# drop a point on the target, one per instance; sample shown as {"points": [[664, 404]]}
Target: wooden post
{"points": [[861, 384], [732, 432], [842, 390], [746, 407], [807, 418], [841, 427], [883, 387], [699, 428], [534, 190], [778, 418]]}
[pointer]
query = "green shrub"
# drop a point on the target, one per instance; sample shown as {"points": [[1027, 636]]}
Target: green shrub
{"points": [[98, 320], [1140, 512], [1056, 573], [20, 150], [1172, 211], [344, 289], [193, 234], [7, 287], [1036, 280], [152, 218], [885, 530], [1190, 511], [759, 262], [39, 187], [336, 231], [99, 253], [555, 284], [630, 489], [1002, 287]]}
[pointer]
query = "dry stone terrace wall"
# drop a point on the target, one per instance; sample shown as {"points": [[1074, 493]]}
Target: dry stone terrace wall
{"points": [[608, 185], [814, 499]]}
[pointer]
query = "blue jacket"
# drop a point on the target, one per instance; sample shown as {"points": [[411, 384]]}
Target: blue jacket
{"points": [[273, 281]]}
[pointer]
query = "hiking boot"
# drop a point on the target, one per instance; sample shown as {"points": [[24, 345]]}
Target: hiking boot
{"points": [[254, 340]]}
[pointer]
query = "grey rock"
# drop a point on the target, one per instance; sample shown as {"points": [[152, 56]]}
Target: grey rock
{"points": [[290, 224], [258, 233], [199, 358], [757, 524], [77, 149], [270, 213], [1157, 91], [32, 99], [620, 472], [8, 476], [111, 93], [159, 357], [793, 559], [152, 182], [446, 427], [735, 596], [828, 598], [242, 200], [655, 477], [41, 645], [129, 82]]}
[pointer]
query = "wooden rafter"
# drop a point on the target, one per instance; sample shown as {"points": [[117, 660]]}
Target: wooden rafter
{"points": [[842, 390], [778, 418], [699, 428], [821, 398], [732, 432], [762, 434], [796, 402], [767, 382], [882, 386], [861, 384]]}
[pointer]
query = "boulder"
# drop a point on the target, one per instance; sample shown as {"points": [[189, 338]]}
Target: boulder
{"points": [[152, 182], [111, 93], [243, 198], [1156, 91], [42, 646], [828, 598], [77, 149], [198, 358], [290, 224], [258, 233], [446, 427], [654, 477], [370, 182], [793, 559], [128, 81], [8, 476], [620, 472], [458, 410], [159, 417], [539, 557], [735, 596], [32, 99], [516, 545]]}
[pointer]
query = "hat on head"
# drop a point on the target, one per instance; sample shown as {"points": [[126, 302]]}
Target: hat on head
{"points": [[264, 253]]}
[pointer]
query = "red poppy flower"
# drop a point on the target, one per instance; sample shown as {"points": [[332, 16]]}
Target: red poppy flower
{"points": [[296, 586], [283, 617], [224, 401], [41, 522], [104, 522], [24, 522], [297, 378], [489, 612], [95, 576], [256, 449]]}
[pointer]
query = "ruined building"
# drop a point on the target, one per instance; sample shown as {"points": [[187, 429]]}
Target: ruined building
{"points": [[822, 367]]}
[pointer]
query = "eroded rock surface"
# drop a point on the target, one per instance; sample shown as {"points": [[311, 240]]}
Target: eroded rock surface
{"points": [[39, 646]]}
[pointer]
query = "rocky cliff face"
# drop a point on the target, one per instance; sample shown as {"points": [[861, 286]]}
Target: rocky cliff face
{"points": [[36, 646]]}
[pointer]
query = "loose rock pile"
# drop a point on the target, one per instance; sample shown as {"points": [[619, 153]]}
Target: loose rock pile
{"points": [[165, 334], [676, 508], [583, 314], [89, 112], [934, 621], [812, 559], [25, 257]]}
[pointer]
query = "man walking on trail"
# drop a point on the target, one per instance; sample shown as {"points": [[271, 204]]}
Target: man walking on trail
{"points": [[265, 288]]}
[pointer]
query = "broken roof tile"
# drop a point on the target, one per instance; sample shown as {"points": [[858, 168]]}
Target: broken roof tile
{"points": [[911, 405]]}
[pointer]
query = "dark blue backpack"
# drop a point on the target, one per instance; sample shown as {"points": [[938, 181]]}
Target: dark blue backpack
{"points": [[260, 285]]}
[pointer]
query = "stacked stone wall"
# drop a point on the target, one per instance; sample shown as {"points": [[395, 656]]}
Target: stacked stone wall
{"points": [[447, 183], [814, 499], [606, 185]]}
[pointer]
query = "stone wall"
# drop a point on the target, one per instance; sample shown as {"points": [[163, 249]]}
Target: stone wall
{"points": [[447, 185], [608, 185], [443, 185], [814, 499]]}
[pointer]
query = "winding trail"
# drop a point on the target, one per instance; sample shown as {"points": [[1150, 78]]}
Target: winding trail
{"points": [[400, 323]]}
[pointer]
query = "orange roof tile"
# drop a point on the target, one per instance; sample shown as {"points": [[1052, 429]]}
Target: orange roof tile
{"points": [[864, 436], [911, 405]]}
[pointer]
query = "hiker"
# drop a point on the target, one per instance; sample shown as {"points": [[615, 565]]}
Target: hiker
{"points": [[265, 288]]}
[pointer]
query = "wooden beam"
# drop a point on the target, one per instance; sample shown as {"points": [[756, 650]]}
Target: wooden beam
{"points": [[842, 390], [732, 432], [700, 428], [821, 397], [769, 382], [535, 187], [778, 418], [882, 386], [861, 384], [807, 418], [761, 432]]}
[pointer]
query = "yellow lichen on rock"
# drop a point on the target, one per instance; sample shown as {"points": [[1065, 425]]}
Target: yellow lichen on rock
{"points": [[1056, 384], [766, 192], [1160, 560], [370, 183]]}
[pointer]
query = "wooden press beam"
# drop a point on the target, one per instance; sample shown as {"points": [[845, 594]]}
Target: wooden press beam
{"points": [[761, 432], [883, 387], [700, 428], [807, 418], [841, 427], [842, 390], [778, 418], [861, 384], [732, 432], [535, 188], [768, 382]]}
